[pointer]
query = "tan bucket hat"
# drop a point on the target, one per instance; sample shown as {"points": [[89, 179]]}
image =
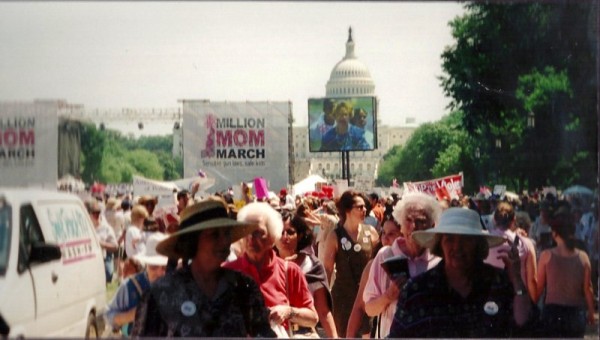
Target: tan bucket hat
{"points": [[206, 214]]}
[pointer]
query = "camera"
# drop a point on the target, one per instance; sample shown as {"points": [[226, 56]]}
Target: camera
{"points": [[396, 266]]}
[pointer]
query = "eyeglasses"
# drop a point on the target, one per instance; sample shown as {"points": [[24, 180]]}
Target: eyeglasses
{"points": [[289, 232], [359, 206], [420, 223], [259, 234]]}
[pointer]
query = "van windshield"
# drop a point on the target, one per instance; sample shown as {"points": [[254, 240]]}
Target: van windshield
{"points": [[5, 228]]}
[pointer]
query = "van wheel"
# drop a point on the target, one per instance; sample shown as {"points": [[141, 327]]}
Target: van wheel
{"points": [[91, 330]]}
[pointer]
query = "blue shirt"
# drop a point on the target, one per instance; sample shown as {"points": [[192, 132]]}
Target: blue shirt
{"points": [[126, 297], [354, 139]]}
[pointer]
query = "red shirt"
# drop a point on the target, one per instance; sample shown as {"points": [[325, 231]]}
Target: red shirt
{"points": [[271, 280]]}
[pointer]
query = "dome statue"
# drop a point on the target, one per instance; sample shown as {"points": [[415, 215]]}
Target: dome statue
{"points": [[350, 77]]}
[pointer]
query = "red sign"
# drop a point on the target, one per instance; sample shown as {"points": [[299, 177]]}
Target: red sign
{"points": [[443, 188]]}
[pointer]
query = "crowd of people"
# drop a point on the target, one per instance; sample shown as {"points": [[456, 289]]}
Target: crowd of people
{"points": [[353, 266]]}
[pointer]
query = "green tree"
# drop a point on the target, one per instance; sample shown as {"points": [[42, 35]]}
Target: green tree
{"points": [[92, 152], [109, 157], [433, 150], [514, 62], [145, 163]]}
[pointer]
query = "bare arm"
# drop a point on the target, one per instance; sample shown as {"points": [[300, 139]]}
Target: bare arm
{"points": [[374, 235], [303, 316], [358, 309], [329, 256], [521, 302], [377, 305], [324, 312], [588, 290], [541, 275], [124, 318], [531, 272]]}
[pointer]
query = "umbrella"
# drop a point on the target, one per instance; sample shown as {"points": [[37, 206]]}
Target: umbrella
{"points": [[578, 190]]}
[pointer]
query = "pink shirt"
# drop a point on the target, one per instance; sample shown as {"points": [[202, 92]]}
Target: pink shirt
{"points": [[524, 246], [379, 281]]}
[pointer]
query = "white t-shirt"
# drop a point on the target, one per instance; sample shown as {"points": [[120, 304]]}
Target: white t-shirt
{"points": [[134, 243]]}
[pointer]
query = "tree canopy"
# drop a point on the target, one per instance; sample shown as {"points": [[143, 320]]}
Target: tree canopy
{"points": [[109, 157], [524, 74]]}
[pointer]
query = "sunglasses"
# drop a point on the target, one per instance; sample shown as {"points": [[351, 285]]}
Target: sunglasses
{"points": [[289, 232]]}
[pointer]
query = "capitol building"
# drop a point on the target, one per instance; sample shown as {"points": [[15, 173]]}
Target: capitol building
{"points": [[349, 78]]}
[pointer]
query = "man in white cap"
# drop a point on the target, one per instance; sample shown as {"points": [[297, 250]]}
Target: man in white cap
{"points": [[121, 310]]}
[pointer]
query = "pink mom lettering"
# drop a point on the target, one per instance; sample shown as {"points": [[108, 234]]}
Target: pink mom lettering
{"points": [[12, 137], [240, 138]]}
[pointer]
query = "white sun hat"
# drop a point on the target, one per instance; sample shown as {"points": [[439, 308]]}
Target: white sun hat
{"points": [[456, 221], [151, 256]]}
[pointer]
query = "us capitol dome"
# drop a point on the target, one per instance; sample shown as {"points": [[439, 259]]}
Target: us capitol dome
{"points": [[350, 77]]}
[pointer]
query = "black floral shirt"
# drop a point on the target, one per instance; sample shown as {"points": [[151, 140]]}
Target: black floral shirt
{"points": [[428, 307], [176, 307]]}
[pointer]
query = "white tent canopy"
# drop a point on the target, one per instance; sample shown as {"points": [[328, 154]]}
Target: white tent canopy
{"points": [[308, 184]]}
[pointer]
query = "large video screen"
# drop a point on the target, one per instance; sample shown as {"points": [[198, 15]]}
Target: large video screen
{"points": [[342, 124]]}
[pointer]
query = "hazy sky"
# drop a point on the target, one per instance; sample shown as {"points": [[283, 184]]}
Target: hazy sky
{"points": [[143, 55]]}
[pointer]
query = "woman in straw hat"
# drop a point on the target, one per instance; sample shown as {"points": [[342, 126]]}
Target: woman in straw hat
{"points": [[203, 299], [462, 296], [121, 310]]}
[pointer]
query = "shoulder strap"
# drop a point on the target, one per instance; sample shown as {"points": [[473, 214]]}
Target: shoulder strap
{"points": [[136, 284]]}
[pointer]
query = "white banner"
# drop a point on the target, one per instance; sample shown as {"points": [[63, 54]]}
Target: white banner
{"points": [[235, 142], [29, 144], [442, 188]]}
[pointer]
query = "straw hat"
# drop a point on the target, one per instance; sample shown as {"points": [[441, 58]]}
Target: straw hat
{"points": [[206, 214], [457, 221], [150, 256]]}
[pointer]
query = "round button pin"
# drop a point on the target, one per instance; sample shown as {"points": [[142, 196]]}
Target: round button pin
{"points": [[188, 308], [490, 308]]}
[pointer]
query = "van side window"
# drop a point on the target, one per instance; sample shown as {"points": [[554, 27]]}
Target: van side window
{"points": [[30, 233]]}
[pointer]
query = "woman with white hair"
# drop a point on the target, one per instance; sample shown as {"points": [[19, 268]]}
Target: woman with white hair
{"points": [[281, 282], [416, 211]]}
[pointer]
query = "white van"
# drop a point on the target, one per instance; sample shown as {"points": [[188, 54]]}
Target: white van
{"points": [[52, 280]]}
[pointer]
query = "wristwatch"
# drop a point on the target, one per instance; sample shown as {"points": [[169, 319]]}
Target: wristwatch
{"points": [[292, 313]]}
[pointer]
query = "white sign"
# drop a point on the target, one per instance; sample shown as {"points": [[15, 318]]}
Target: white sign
{"points": [[340, 186], [29, 144], [362, 184], [235, 142]]}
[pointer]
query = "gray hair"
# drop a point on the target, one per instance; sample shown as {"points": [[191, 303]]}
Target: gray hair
{"points": [[264, 211], [419, 200]]}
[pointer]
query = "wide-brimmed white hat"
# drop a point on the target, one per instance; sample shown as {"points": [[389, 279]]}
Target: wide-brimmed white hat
{"points": [[150, 256], [456, 221]]}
